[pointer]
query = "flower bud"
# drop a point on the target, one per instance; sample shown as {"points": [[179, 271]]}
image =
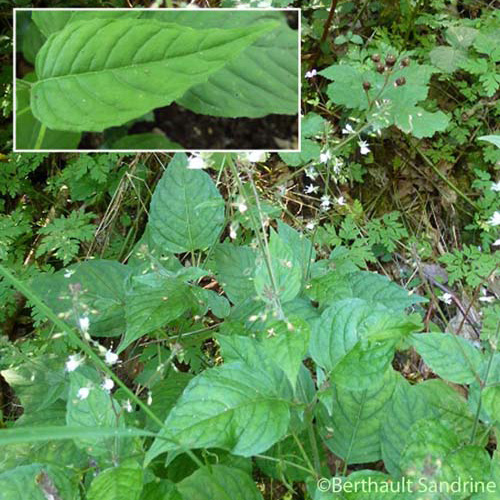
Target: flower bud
{"points": [[376, 58], [400, 81], [367, 85], [390, 61], [380, 68], [405, 62]]}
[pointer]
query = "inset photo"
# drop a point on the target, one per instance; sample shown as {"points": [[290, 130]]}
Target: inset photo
{"points": [[156, 80]]}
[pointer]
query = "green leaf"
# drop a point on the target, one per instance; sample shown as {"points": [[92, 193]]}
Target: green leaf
{"points": [[38, 383], [351, 419], [146, 141], [36, 482], [96, 287], [28, 127], [32, 41], [449, 356], [407, 405], [153, 302], [491, 403], [117, 483], [355, 341], [419, 122], [187, 210], [309, 151], [96, 410], [493, 139], [286, 272], [236, 407], [302, 248], [437, 454], [365, 285], [461, 36], [52, 21], [86, 84], [235, 268], [447, 59], [494, 478], [261, 80], [219, 482]]}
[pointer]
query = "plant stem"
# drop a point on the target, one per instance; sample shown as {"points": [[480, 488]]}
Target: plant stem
{"points": [[49, 314], [41, 135]]}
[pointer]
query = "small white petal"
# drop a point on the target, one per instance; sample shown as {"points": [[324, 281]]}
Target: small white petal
{"points": [[108, 384], [341, 201], [83, 393], [310, 189], [310, 74], [196, 162], [84, 324], [110, 357], [347, 129], [255, 156], [446, 298], [488, 298], [324, 157], [364, 147], [74, 361], [494, 220], [496, 243], [495, 186]]}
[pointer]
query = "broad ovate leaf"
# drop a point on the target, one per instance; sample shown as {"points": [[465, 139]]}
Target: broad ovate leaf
{"points": [[219, 482], [449, 356], [365, 285], [154, 301], [51, 21], [355, 341], [281, 278], [28, 127], [90, 405], [102, 73], [123, 482], [36, 482], [94, 289], [243, 409], [187, 210], [435, 454], [261, 80], [350, 420], [235, 267]]}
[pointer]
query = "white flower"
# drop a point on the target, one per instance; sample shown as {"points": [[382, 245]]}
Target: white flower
{"points": [[347, 129], [311, 173], [364, 147], [325, 202], [496, 243], [341, 201], [110, 357], [495, 186], [338, 163], [84, 323], [487, 298], [128, 406], [311, 74], [108, 384], [494, 220], [150, 398], [196, 162], [242, 207], [446, 298], [310, 189], [311, 225], [74, 361], [324, 157], [83, 393], [232, 231], [68, 273], [255, 156]]}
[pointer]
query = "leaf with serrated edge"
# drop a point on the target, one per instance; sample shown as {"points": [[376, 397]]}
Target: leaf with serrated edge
{"points": [[242, 409], [352, 429], [117, 483], [355, 340], [451, 357], [219, 482], [187, 210], [102, 73]]}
